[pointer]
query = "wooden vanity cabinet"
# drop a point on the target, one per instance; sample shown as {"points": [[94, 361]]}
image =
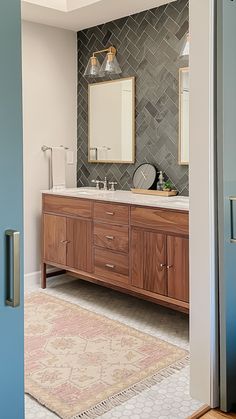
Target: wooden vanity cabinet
{"points": [[178, 268], [54, 238], [138, 250], [67, 241], [160, 252], [67, 234], [160, 264], [79, 245], [111, 242], [154, 254], [148, 261]]}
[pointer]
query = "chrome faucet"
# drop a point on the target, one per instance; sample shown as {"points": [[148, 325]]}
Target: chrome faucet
{"points": [[105, 185], [97, 183], [112, 186]]}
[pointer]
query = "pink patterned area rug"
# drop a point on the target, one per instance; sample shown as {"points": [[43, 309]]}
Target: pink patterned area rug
{"points": [[80, 364]]}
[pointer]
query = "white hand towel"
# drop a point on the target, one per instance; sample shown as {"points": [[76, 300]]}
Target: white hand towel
{"points": [[58, 168]]}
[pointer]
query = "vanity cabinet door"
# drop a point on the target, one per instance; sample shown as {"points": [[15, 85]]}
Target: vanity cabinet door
{"points": [[79, 244], [178, 268], [54, 243], [155, 262], [137, 257], [148, 261]]}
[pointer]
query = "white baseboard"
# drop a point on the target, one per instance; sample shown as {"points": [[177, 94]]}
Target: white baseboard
{"points": [[34, 278]]}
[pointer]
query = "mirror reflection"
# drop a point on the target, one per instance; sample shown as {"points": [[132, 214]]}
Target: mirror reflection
{"points": [[184, 116], [112, 121]]}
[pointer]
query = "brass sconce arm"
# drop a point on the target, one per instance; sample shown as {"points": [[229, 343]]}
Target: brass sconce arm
{"points": [[111, 50]]}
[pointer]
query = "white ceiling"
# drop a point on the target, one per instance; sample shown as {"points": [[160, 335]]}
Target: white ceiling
{"points": [[59, 5], [80, 14]]}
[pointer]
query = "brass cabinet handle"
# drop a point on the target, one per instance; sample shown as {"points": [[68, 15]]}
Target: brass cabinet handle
{"points": [[162, 265], [110, 266], [169, 266], [65, 241], [13, 268], [110, 213], [109, 237]]}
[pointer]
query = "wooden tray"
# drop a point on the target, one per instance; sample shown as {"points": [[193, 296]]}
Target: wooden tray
{"points": [[154, 192]]}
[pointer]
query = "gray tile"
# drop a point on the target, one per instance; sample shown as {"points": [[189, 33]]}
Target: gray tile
{"points": [[148, 48], [171, 25], [182, 31], [106, 37], [172, 12]]}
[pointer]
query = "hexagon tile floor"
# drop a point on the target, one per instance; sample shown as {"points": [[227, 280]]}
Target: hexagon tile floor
{"points": [[167, 400]]}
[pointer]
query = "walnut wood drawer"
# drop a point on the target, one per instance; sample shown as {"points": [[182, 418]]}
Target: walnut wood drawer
{"points": [[111, 213], [162, 220], [111, 265], [67, 206], [111, 237]]}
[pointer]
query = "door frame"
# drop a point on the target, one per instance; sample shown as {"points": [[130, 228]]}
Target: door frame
{"points": [[204, 356], [203, 253]]}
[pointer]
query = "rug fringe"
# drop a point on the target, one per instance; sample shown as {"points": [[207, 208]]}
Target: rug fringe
{"points": [[118, 399]]}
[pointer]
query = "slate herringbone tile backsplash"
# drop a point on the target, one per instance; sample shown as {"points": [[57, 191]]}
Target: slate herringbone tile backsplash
{"points": [[148, 46]]}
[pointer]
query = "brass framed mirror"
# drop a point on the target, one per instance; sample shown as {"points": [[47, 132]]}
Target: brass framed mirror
{"points": [[112, 121], [183, 116]]}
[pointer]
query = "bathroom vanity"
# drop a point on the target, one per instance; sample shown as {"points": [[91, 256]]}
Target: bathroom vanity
{"points": [[136, 244]]}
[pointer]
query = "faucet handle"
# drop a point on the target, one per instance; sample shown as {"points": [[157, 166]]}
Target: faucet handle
{"points": [[97, 183], [113, 184]]}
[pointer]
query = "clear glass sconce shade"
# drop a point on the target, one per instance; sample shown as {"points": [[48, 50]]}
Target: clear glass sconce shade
{"points": [[110, 65], [184, 53], [93, 68]]}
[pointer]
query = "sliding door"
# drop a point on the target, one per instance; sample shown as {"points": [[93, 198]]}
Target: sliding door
{"points": [[226, 144], [11, 225]]}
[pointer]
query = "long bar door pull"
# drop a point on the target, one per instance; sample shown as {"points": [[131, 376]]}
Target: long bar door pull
{"points": [[13, 268]]}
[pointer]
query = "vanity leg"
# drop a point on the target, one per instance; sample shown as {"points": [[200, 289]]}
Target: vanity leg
{"points": [[43, 276]]}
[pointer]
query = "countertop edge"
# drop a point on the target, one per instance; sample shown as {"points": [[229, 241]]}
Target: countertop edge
{"points": [[132, 199]]}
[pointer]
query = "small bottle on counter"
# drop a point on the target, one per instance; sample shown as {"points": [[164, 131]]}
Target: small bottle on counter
{"points": [[160, 183]]}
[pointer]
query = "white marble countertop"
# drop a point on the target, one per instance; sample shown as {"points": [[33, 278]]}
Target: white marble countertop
{"points": [[125, 197]]}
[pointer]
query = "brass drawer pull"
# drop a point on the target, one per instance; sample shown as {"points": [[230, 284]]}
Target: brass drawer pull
{"points": [[109, 237], [110, 266], [162, 265], [110, 213], [169, 266]]}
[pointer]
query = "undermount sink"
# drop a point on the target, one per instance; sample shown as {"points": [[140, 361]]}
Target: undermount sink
{"points": [[81, 190], [86, 191]]}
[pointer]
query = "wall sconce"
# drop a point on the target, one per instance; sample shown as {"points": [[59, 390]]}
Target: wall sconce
{"points": [[186, 47], [110, 64]]}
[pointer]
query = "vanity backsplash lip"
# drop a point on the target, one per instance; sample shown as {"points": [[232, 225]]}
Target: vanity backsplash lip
{"points": [[180, 203]]}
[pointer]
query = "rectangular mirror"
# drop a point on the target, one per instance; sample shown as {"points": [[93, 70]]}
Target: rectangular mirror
{"points": [[112, 121], [184, 116]]}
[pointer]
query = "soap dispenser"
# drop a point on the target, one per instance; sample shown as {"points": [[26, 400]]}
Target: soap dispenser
{"points": [[160, 183]]}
